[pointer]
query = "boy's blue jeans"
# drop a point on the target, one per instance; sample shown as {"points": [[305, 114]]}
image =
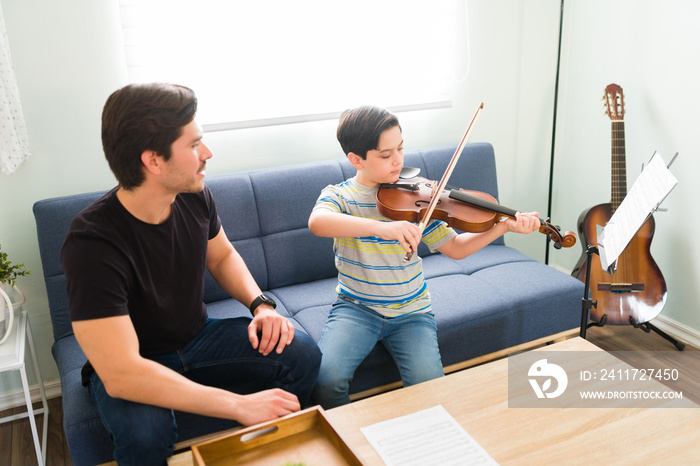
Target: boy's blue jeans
{"points": [[352, 331], [220, 356]]}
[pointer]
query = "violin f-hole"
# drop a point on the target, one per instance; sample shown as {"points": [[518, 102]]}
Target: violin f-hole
{"points": [[421, 202]]}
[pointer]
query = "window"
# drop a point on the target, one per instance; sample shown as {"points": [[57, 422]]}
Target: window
{"points": [[263, 62]]}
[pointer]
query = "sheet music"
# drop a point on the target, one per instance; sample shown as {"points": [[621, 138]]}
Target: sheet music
{"points": [[425, 438], [653, 185]]}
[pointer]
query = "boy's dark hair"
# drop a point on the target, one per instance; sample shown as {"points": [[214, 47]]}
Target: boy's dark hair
{"points": [[140, 117], [359, 128]]}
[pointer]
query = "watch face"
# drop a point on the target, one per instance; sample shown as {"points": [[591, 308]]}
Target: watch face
{"points": [[268, 300]]}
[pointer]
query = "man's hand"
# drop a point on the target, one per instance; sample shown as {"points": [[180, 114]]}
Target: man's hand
{"points": [[266, 406], [269, 329]]}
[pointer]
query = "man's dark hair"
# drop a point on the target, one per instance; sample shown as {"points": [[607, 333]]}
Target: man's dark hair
{"points": [[359, 128], [141, 117]]}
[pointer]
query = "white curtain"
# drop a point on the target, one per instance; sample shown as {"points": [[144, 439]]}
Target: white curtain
{"points": [[14, 145]]}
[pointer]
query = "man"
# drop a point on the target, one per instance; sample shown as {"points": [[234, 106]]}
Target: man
{"points": [[135, 262]]}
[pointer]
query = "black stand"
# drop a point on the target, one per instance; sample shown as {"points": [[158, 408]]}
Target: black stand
{"points": [[647, 327], [588, 303]]}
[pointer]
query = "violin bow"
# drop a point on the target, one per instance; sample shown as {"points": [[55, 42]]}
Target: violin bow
{"points": [[435, 196]]}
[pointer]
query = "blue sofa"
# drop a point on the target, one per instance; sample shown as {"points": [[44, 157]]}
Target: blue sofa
{"points": [[495, 300]]}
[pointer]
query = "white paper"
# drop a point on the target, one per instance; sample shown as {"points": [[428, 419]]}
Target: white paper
{"points": [[653, 185], [424, 438]]}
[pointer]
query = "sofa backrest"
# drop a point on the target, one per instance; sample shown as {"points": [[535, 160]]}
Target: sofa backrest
{"points": [[53, 217], [265, 214]]}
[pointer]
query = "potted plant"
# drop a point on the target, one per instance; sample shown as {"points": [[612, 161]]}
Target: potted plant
{"points": [[9, 272]]}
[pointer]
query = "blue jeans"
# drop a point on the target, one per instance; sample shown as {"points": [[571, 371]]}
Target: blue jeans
{"points": [[352, 331], [220, 356]]}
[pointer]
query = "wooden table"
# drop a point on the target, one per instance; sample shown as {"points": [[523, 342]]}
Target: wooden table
{"points": [[478, 399]]}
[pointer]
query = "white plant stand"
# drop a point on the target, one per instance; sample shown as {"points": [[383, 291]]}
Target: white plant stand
{"points": [[12, 358]]}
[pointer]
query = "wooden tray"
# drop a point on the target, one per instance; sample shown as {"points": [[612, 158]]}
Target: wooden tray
{"points": [[305, 437]]}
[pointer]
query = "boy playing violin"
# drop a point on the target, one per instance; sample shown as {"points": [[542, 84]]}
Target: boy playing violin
{"points": [[382, 297]]}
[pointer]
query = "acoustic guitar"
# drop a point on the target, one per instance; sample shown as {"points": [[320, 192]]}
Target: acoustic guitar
{"points": [[636, 292]]}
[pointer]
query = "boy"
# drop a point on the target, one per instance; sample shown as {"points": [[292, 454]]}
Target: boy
{"points": [[380, 296]]}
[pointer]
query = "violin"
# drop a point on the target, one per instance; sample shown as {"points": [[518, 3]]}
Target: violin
{"points": [[478, 211], [472, 211]]}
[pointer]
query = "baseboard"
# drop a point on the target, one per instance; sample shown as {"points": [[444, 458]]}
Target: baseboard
{"points": [[15, 399], [560, 268], [679, 331]]}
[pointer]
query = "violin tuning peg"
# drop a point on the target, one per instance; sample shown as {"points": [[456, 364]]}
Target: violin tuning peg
{"points": [[557, 246]]}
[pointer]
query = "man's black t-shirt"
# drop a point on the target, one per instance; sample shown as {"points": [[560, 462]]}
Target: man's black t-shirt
{"points": [[118, 265]]}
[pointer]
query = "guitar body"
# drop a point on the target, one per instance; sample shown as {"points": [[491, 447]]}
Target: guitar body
{"points": [[637, 289], [635, 292]]}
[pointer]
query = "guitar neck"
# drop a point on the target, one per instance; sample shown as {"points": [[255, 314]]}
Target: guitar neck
{"points": [[619, 164]]}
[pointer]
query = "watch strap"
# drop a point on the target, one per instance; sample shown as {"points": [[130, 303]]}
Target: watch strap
{"points": [[259, 300]]}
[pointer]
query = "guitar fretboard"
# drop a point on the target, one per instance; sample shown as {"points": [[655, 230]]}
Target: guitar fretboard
{"points": [[619, 165]]}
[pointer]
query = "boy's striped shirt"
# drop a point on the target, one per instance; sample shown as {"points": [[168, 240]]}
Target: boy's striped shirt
{"points": [[371, 270]]}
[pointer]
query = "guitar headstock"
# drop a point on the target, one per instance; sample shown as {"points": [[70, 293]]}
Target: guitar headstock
{"points": [[615, 102]]}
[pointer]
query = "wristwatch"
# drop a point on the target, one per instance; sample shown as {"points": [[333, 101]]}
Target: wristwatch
{"points": [[262, 299]]}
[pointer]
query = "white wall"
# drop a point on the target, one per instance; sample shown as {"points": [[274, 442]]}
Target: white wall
{"points": [[68, 59], [651, 49]]}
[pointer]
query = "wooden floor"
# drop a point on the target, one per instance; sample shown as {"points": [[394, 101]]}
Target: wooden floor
{"points": [[17, 448]]}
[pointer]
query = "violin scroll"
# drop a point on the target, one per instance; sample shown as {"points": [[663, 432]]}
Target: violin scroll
{"points": [[553, 232]]}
